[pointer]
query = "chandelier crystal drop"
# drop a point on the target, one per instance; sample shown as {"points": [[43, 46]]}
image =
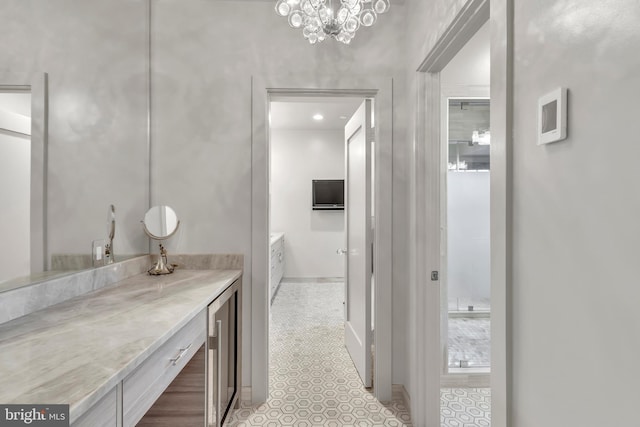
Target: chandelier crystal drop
{"points": [[339, 19]]}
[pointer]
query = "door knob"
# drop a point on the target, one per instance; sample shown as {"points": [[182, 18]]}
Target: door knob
{"points": [[341, 251]]}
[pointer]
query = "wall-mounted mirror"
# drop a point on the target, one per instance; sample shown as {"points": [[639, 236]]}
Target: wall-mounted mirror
{"points": [[160, 223], [15, 166], [89, 142]]}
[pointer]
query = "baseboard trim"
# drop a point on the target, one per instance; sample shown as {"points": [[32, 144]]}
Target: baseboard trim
{"points": [[245, 395], [399, 394]]}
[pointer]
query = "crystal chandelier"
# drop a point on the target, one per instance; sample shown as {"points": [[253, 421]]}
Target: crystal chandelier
{"points": [[339, 19]]}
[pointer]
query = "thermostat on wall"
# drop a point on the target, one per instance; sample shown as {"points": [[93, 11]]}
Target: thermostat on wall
{"points": [[552, 116]]}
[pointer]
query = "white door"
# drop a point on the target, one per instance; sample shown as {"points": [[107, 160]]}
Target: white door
{"points": [[358, 271]]}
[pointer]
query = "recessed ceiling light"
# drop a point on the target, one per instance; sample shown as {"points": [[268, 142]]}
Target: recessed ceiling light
{"points": [[343, 117], [318, 117]]}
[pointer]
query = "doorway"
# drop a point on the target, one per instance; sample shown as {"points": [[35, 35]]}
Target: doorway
{"points": [[431, 165], [307, 159], [319, 175], [465, 237], [367, 405], [263, 90]]}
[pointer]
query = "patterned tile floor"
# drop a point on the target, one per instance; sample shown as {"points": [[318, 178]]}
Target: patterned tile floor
{"points": [[465, 407], [469, 339], [313, 381]]}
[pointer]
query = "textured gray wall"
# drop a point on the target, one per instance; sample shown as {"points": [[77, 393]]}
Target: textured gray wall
{"points": [[576, 209], [204, 54]]}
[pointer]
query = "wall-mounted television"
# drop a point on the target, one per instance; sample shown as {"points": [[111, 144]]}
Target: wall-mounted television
{"points": [[328, 194]]}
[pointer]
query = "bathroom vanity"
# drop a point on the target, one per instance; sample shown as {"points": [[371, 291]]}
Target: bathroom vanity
{"points": [[277, 263], [112, 354]]}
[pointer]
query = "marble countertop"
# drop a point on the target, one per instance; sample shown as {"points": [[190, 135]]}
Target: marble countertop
{"points": [[274, 237], [76, 351]]}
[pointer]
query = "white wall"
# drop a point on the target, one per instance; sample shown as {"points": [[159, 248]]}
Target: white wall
{"points": [[576, 208], [472, 64], [311, 237], [468, 244], [15, 194]]}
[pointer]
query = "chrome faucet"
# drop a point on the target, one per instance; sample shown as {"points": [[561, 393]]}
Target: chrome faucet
{"points": [[111, 230]]}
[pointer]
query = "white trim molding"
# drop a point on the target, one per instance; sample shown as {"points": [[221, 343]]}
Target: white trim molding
{"points": [[501, 209], [467, 22]]}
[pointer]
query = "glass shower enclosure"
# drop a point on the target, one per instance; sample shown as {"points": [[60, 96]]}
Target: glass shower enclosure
{"points": [[466, 294]]}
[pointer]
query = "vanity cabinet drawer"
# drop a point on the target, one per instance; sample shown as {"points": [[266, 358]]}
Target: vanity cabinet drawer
{"points": [[102, 414], [144, 385]]}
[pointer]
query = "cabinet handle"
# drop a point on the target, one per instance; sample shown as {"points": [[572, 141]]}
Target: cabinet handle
{"points": [[218, 372], [181, 353]]}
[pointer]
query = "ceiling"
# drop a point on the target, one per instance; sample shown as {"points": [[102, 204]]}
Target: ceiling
{"points": [[296, 113]]}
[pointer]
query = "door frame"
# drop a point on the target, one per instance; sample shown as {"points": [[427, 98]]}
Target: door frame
{"points": [[425, 189], [263, 88]]}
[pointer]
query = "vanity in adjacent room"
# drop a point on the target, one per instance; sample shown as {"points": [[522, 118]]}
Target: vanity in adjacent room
{"points": [[277, 263], [144, 350]]}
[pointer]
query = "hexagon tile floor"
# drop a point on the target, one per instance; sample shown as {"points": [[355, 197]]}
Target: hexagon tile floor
{"points": [[465, 407], [312, 379]]}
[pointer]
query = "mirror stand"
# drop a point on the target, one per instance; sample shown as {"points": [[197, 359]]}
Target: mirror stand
{"points": [[162, 266]]}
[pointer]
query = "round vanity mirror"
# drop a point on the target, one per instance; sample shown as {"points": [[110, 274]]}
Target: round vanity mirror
{"points": [[160, 222]]}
